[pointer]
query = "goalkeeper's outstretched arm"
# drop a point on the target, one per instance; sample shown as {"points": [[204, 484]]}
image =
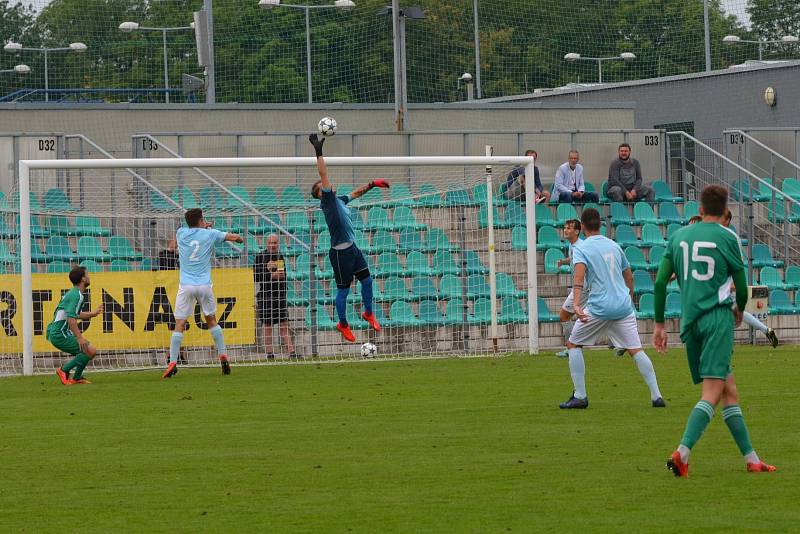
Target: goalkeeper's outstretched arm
{"points": [[322, 169], [366, 187]]}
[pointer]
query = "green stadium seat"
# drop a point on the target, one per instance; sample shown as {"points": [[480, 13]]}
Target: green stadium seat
{"points": [[242, 223], [56, 200], [291, 247], [762, 257], [642, 282], [770, 277], [652, 236], [450, 287], [519, 238], [548, 238], [265, 197], [664, 193], [430, 313], [544, 313], [479, 195], [241, 192], [90, 225], [457, 198], [57, 248], [36, 206], [251, 244], [119, 248], [741, 190], [89, 249], [625, 236], [797, 301], [481, 312], [373, 197], [226, 250], [298, 297], [791, 188], [672, 228], [323, 270], [120, 266], [388, 264], [394, 288], [263, 227], [417, 265], [620, 215], [92, 266], [159, 203], [211, 198], [400, 195], [473, 261], [656, 253], [6, 231], [411, 240], [5, 254], [341, 190], [436, 239], [60, 225], [378, 219], [403, 218], [297, 221], [323, 243], [320, 224], [690, 209], [56, 266], [401, 315], [647, 307], [483, 218], [324, 321], [514, 215], [422, 288], [454, 312], [673, 306], [477, 286], [544, 216], [443, 263], [512, 311], [636, 258], [382, 241], [668, 213], [565, 212], [673, 287], [777, 211], [505, 287], [147, 265], [361, 240], [37, 256], [185, 197], [643, 214], [593, 206], [604, 193], [551, 258], [302, 268], [429, 197], [292, 197], [792, 277], [780, 303]]}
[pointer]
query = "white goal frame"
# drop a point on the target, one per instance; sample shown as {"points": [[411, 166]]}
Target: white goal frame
{"points": [[25, 166]]}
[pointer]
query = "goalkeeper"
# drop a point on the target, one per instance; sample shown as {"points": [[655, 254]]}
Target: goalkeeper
{"points": [[346, 258]]}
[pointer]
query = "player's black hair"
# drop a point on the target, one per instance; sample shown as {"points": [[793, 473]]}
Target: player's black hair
{"points": [[575, 223], [714, 200], [532, 152], [624, 145], [76, 274], [193, 217], [315, 189], [591, 219], [695, 219]]}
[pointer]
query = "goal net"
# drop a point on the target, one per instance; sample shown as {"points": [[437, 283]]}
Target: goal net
{"points": [[450, 274]]}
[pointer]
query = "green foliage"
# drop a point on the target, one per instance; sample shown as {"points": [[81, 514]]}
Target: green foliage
{"points": [[773, 19]]}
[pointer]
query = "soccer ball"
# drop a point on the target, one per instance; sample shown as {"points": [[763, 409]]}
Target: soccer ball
{"points": [[327, 126], [368, 350]]}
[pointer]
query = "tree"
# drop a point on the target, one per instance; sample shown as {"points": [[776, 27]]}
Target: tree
{"points": [[774, 19]]}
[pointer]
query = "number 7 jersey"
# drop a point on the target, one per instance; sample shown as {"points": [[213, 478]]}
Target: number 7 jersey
{"points": [[704, 256], [195, 249]]}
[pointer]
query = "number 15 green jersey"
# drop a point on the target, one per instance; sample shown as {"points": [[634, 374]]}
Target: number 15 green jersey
{"points": [[704, 257]]}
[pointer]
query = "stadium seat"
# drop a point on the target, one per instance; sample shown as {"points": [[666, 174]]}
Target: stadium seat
{"points": [[394, 288], [119, 266], [388, 264], [211, 198], [298, 296], [770, 277], [361, 240], [90, 225], [402, 315], [147, 265], [672, 228], [400, 195], [436, 239], [382, 241], [301, 268], [430, 313], [422, 288], [664, 193], [668, 213], [378, 219], [514, 214], [6, 231], [565, 212], [483, 218], [656, 253], [242, 223], [403, 218], [417, 265], [89, 249], [36, 206], [593, 206], [780, 303], [323, 243], [625, 236], [545, 315], [450, 287], [411, 240], [791, 188], [519, 238], [479, 195], [673, 287], [643, 214], [481, 312], [512, 311], [636, 258], [642, 282], [458, 197], [429, 197], [54, 266], [56, 200], [5, 254], [92, 266], [263, 226], [762, 257], [551, 257], [543, 214], [777, 211], [120, 248], [620, 215], [341, 190], [548, 238], [297, 221], [443, 263], [673, 307], [474, 265], [652, 236], [741, 190], [60, 225], [292, 197], [477, 286], [242, 193], [505, 287], [690, 209], [324, 321], [291, 247], [185, 198], [323, 270], [265, 197], [604, 193], [226, 250], [792, 277], [57, 248], [37, 256], [372, 197], [647, 309], [454, 312]]}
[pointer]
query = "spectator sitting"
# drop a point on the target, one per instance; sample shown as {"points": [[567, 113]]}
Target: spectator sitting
{"points": [[168, 259], [515, 183], [625, 179], [269, 271], [570, 186]]}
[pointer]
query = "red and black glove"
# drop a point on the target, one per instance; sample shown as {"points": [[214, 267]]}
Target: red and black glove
{"points": [[379, 183], [317, 143]]}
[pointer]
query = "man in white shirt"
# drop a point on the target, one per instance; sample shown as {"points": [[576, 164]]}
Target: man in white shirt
{"points": [[570, 187]]}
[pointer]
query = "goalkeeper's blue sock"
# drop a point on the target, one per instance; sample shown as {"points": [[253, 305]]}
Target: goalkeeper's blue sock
{"points": [[341, 304], [175, 346], [219, 340], [366, 294]]}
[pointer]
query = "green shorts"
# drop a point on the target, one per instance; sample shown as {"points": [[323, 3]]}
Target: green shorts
{"points": [[709, 345], [68, 344]]}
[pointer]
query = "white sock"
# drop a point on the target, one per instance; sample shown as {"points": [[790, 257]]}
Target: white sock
{"points": [[750, 320], [566, 327], [219, 341], [752, 458], [648, 373], [175, 346], [684, 451], [578, 371]]}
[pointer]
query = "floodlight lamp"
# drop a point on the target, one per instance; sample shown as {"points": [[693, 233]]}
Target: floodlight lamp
{"points": [[731, 39], [129, 26], [12, 47], [627, 56], [790, 39], [77, 47], [345, 4], [22, 69], [572, 56], [267, 4], [466, 77]]}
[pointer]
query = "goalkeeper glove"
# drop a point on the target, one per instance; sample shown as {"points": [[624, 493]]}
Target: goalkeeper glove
{"points": [[317, 143], [379, 183]]}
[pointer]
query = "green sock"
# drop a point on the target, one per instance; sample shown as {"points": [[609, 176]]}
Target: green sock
{"points": [[74, 362], [82, 360], [701, 415], [732, 415]]}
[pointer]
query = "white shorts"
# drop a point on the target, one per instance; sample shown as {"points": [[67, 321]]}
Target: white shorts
{"points": [[188, 295], [569, 305], [622, 333]]}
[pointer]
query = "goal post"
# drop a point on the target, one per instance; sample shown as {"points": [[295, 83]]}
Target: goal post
{"points": [[447, 174]]}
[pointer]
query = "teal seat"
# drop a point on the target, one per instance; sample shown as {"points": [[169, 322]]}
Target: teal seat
{"points": [[791, 188], [388, 264], [6, 231], [780, 303], [119, 248], [593, 206], [292, 197], [147, 265], [458, 197], [663, 192], [298, 296], [324, 321], [242, 224], [626, 237], [620, 215], [473, 261], [378, 219], [652, 236], [120, 266], [5, 254], [483, 218], [36, 228], [400, 195], [56, 200], [297, 221], [57, 266], [642, 282], [770, 277], [690, 209], [57, 248], [436, 239], [185, 198], [792, 276], [480, 196], [762, 257], [361, 240], [673, 306], [293, 248], [429, 197], [422, 288], [776, 211], [481, 312], [60, 225], [656, 253], [443, 263], [36, 206], [672, 228], [89, 249], [404, 218], [551, 258], [302, 268], [344, 189], [211, 198], [454, 313], [265, 197], [741, 190], [417, 265], [226, 250], [394, 289], [401, 315], [548, 237], [92, 266], [263, 226], [636, 258], [512, 311], [450, 287], [545, 315], [668, 213], [505, 287], [323, 270], [430, 313], [382, 241], [37, 256], [565, 212], [355, 218], [544, 216], [242, 193], [514, 215], [519, 238], [411, 240], [323, 243], [373, 197], [647, 307], [90, 225], [643, 214], [604, 193], [477, 286], [673, 287]]}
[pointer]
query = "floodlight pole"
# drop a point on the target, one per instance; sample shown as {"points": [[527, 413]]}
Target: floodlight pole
{"points": [[46, 52], [399, 110], [211, 89], [476, 28], [707, 32]]}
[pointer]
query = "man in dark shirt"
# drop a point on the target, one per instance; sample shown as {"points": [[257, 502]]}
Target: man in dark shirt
{"points": [[168, 258], [515, 183], [269, 270], [625, 179]]}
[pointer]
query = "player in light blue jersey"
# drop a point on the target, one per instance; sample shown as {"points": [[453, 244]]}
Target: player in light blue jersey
{"points": [[195, 250], [603, 270]]}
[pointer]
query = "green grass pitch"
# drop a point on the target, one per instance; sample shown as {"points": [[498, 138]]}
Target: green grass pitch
{"points": [[457, 445]]}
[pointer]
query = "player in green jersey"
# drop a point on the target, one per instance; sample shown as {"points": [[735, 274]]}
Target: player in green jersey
{"points": [[707, 260], [64, 333]]}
